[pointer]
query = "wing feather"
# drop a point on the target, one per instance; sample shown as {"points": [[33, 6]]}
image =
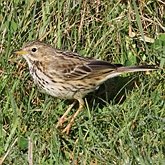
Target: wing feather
{"points": [[71, 66], [90, 69]]}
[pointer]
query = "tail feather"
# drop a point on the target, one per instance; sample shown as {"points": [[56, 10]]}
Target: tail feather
{"points": [[131, 69], [136, 68]]}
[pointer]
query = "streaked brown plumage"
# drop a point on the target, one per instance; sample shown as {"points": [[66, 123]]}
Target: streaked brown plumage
{"points": [[67, 75]]}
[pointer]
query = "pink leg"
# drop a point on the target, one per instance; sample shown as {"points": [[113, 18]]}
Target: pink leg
{"points": [[64, 116], [67, 128]]}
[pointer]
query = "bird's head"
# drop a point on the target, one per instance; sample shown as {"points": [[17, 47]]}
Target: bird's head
{"points": [[36, 51]]}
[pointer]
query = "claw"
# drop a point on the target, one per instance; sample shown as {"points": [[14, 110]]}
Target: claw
{"points": [[67, 129]]}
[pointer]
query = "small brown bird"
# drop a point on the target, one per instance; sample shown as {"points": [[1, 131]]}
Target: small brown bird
{"points": [[67, 75]]}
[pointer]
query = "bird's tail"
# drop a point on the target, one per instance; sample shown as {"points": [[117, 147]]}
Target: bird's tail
{"points": [[136, 68], [130, 69]]}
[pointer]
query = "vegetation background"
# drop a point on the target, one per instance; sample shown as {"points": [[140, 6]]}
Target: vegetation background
{"points": [[126, 125]]}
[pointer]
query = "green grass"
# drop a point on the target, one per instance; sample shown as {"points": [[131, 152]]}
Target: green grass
{"points": [[125, 124]]}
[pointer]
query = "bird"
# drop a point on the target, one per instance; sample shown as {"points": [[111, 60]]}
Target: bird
{"points": [[67, 75]]}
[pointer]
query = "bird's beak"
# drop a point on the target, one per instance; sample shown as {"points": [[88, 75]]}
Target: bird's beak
{"points": [[21, 52]]}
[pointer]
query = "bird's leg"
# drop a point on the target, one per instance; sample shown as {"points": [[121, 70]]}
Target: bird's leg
{"points": [[64, 118], [81, 104]]}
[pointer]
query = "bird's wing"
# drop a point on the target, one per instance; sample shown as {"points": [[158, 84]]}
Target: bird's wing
{"points": [[73, 67]]}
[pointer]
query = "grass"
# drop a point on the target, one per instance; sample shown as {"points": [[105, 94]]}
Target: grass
{"points": [[125, 124]]}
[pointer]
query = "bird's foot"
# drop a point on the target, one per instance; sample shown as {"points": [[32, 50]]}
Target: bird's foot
{"points": [[62, 120], [67, 129]]}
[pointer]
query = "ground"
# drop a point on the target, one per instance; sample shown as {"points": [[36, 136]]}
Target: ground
{"points": [[123, 122]]}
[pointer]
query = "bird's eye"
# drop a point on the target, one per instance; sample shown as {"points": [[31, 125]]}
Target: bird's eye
{"points": [[34, 49]]}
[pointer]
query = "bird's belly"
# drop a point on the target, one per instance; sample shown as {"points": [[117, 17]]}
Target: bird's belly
{"points": [[62, 89], [56, 89]]}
